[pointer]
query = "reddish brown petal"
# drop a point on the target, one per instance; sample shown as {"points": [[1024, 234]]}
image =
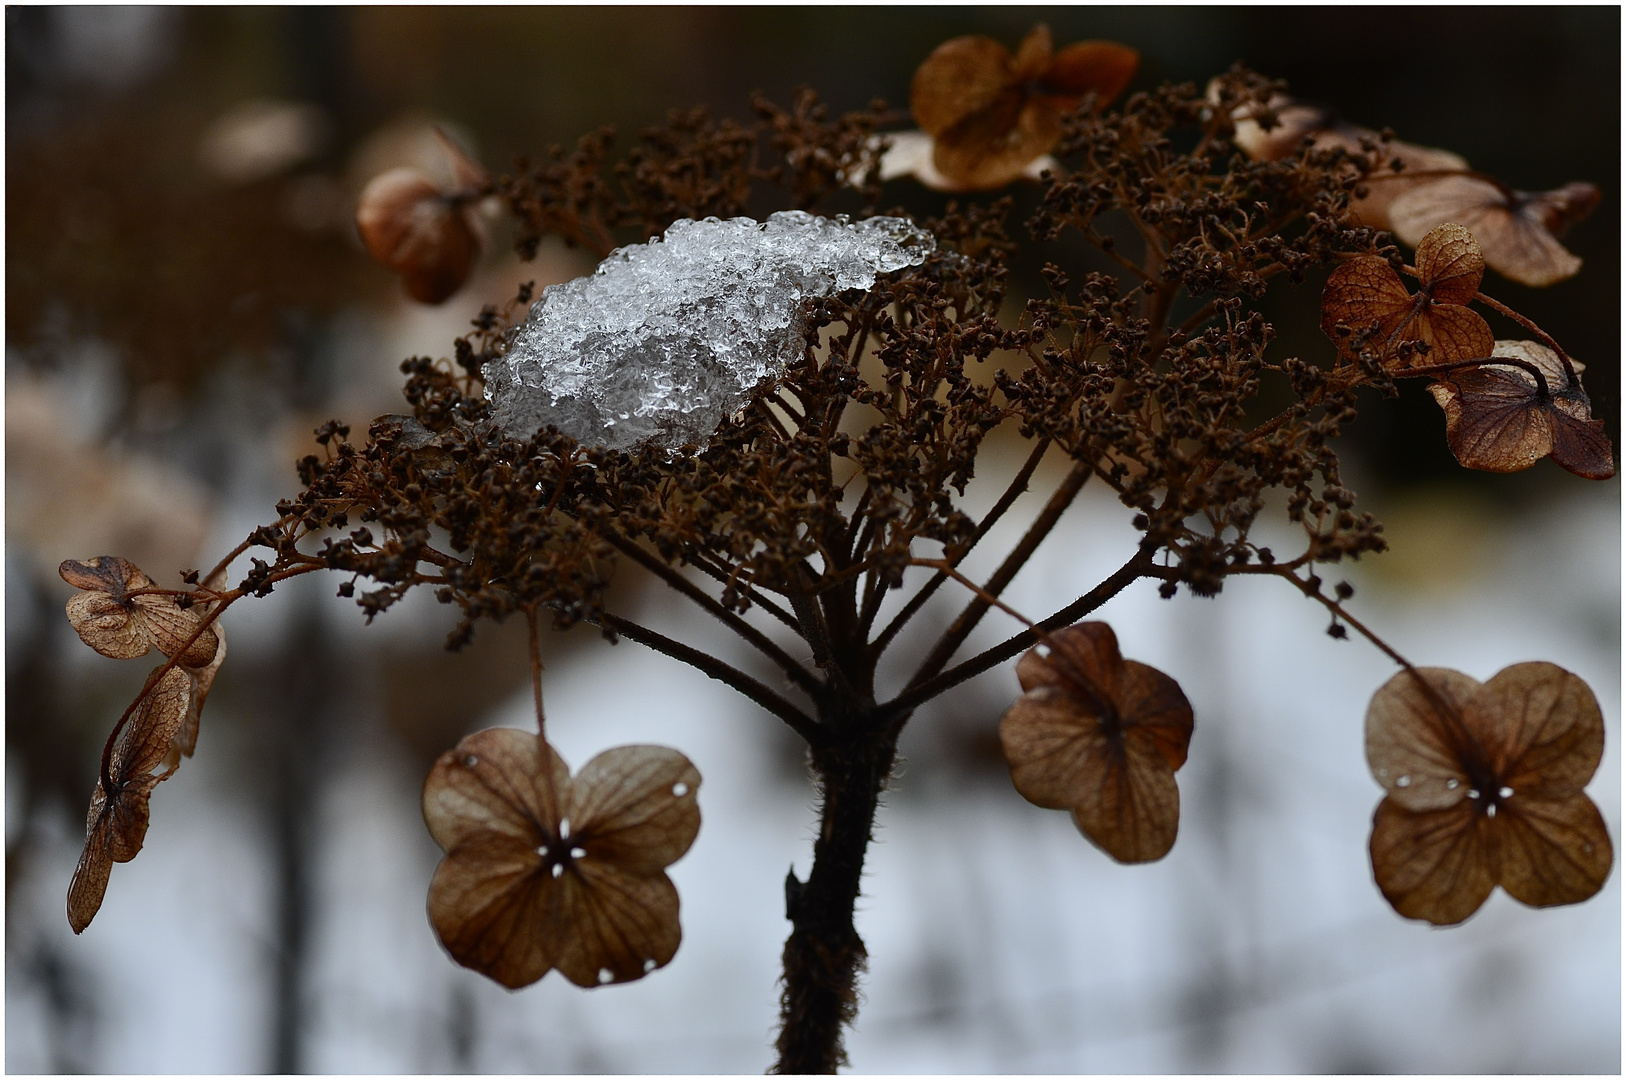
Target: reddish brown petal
{"points": [[1582, 447], [107, 625], [1132, 810], [960, 77], [491, 905], [1515, 244], [1437, 865], [635, 807], [1103, 68], [1491, 420], [1559, 209], [412, 227], [1448, 260], [501, 780], [621, 926], [1452, 333], [1359, 293], [1294, 123], [1050, 747], [105, 573], [1541, 727], [1552, 852], [1412, 745], [994, 146], [1084, 657], [89, 883], [1033, 55], [1159, 708]]}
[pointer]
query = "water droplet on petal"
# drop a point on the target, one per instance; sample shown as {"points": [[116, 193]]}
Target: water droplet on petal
{"points": [[605, 975], [1490, 811], [564, 826], [1404, 781], [542, 850], [558, 868], [1473, 793], [471, 761], [1382, 773], [576, 852], [1452, 784], [1506, 792], [680, 789], [649, 965]]}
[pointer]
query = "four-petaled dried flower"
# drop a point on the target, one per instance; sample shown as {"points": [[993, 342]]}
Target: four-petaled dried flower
{"points": [[1502, 418], [1518, 231], [1484, 786], [116, 623], [543, 872], [990, 114], [1366, 294], [117, 823], [1101, 736], [430, 236]]}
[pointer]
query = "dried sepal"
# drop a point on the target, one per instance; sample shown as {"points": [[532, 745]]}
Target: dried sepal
{"points": [[991, 114], [1498, 418], [1102, 737], [1366, 303], [544, 872], [1518, 231], [116, 825], [1484, 787], [117, 624]]}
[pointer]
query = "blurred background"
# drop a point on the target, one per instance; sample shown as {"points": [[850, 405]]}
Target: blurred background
{"points": [[186, 301]]}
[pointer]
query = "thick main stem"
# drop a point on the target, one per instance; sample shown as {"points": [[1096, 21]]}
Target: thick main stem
{"points": [[824, 955]]}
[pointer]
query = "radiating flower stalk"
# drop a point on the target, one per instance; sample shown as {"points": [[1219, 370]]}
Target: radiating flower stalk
{"points": [[842, 484]]}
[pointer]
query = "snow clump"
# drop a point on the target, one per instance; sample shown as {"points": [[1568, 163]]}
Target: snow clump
{"points": [[666, 339]]}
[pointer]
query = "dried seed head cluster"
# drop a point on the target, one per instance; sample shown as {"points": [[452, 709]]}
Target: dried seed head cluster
{"points": [[841, 479]]}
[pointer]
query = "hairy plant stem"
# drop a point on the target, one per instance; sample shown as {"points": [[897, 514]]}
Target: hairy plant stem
{"points": [[824, 955]]}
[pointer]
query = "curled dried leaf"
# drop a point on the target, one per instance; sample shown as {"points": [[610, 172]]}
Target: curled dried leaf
{"points": [[117, 822], [544, 872], [1365, 306], [1500, 418], [1101, 736], [990, 114], [1518, 231], [1484, 787], [119, 618]]}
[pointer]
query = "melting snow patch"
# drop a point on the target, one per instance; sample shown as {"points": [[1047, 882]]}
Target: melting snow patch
{"points": [[666, 339]]}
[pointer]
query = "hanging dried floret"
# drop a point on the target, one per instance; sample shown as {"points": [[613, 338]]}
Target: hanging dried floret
{"points": [[1101, 736], [1506, 417], [1365, 306], [122, 614], [544, 872], [1484, 786], [991, 114], [1518, 231], [139, 760], [430, 236]]}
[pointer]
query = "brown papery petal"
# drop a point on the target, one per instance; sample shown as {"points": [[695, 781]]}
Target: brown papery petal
{"points": [[635, 807], [1452, 332], [1552, 852], [960, 77], [1515, 244], [412, 227], [1083, 655], [1542, 728], [173, 629], [621, 926], [1159, 710], [1437, 865], [1032, 55], [107, 625], [490, 907], [203, 679], [993, 147], [1360, 292], [1103, 68], [1582, 447], [1559, 209], [144, 743], [1412, 743], [1492, 422], [500, 780], [1049, 744], [107, 573], [1449, 261], [1130, 807]]}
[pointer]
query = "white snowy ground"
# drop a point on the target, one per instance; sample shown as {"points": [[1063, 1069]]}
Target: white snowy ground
{"points": [[1000, 940]]}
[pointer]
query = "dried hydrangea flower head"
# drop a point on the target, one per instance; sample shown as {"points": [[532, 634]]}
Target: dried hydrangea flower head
{"points": [[1365, 303], [991, 114], [1101, 736], [543, 871], [117, 823], [1518, 231], [1506, 417], [1484, 788], [430, 236], [666, 339], [120, 613]]}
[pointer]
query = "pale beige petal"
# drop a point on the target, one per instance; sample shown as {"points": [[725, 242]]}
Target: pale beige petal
{"points": [[1054, 747], [502, 780], [1413, 742], [107, 625]]}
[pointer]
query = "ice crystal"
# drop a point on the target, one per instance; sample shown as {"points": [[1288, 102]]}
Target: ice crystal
{"points": [[666, 339]]}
